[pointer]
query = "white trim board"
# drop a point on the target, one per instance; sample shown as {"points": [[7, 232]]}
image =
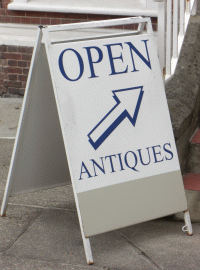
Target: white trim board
{"points": [[110, 7]]}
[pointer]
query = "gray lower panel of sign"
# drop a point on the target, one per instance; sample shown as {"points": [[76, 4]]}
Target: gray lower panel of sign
{"points": [[132, 202]]}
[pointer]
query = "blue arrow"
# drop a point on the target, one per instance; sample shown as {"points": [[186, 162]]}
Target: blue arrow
{"points": [[128, 103]]}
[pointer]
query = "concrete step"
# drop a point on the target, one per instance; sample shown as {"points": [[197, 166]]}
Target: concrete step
{"points": [[193, 160]]}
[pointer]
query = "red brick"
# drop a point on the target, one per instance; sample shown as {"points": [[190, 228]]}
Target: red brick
{"points": [[3, 76], [25, 71], [61, 16], [55, 15], [2, 11], [11, 56], [113, 17], [12, 63], [22, 64], [26, 57], [154, 19], [25, 20], [75, 16], [12, 77], [70, 21], [96, 17], [119, 27], [5, 19], [19, 13], [4, 5], [3, 62], [131, 26], [3, 48], [29, 50], [35, 14], [9, 12], [45, 21], [7, 83], [65, 21], [22, 49], [155, 27], [16, 84], [35, 20], [26, 50], [13, 70], [12, 48], [55, 21], [15, 19], [22, 78]]}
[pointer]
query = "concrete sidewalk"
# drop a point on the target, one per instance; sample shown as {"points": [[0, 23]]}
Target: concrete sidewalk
{"points": [[41, 229]]}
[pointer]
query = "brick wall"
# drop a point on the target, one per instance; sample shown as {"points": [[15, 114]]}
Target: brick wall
{"points": [[15, 60], [14, 68]]}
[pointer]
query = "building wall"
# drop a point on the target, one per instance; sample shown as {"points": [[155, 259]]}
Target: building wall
{"points": [[14, 68], [15, 60]]}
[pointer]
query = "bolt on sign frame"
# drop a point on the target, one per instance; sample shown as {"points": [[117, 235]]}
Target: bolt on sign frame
{"points": [[95, 112]]}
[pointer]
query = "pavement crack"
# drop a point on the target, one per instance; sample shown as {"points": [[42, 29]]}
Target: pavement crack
{"points": [[25, 229], [140, 252]]}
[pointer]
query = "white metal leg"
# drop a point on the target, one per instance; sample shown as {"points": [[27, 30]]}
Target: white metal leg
{"points": [[4, 205], [86, 241], [188, 226], [88, 251]]}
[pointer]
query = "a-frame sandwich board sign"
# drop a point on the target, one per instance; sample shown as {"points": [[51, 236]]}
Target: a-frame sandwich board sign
{"points": [[97, 103]]}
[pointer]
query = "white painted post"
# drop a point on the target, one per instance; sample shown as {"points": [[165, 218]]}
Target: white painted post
{"points": [[182, 22], [175, 37], [175, 28], [168, 38], [182, 26], [161, 33]]}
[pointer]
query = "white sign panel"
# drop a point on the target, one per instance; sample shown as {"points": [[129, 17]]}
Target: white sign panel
{"points": [[114, 112]]}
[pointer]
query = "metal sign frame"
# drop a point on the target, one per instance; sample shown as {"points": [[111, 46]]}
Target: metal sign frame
{"points": [[39, 159]]}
